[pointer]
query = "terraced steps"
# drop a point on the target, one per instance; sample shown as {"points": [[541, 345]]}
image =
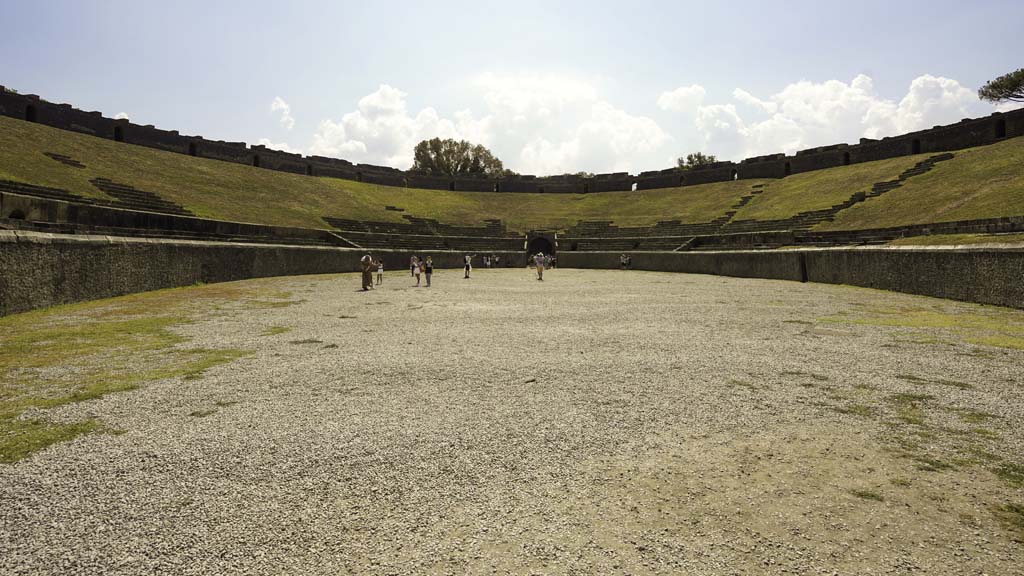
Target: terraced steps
{"points": [[65, 160], [604, 235], [135, 199], [68, 228], [421, 227], [43, 192]]}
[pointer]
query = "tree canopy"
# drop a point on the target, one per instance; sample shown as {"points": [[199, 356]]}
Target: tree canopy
{"points": [[695, 159], [1009, 87], [451, 157]]}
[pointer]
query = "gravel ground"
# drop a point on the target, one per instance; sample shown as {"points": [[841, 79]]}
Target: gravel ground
{"points": [[597, 422]]}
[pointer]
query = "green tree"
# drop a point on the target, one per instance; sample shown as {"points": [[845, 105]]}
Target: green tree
{"points": [[450, 157], [694, 160], [1008, 87]]}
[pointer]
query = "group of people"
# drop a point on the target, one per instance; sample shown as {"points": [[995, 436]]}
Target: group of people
{"points": [[418, 268], [368, 264]]}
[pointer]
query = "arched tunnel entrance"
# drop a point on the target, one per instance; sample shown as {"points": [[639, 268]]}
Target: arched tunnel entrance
{"points": [[540, 244]]}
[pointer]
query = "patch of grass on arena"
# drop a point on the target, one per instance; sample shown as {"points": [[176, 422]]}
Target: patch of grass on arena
{"points": [[868, 495], [855, 410], [1011, 516], [80, 352], [909, 407], [984, 325], [974, 416], [21, 437], [1012, 473], [938, 381]]}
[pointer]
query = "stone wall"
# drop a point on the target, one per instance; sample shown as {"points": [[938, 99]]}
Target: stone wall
{"points": [[38, 269], [964, 134], [986, 276]]}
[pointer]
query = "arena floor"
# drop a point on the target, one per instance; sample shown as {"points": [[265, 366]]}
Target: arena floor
{"points": [[599, 422]]}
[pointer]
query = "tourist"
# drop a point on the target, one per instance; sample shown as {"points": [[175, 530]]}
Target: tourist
{"points": [[380, 272], [538, 261], [416, 270], [468, 261], [367, 267], [487, 261], [412, 265], [429, 269], [496, 260], [622, 261]]}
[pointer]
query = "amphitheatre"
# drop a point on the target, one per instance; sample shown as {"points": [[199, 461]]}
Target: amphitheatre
{"points": [[812, 366]]}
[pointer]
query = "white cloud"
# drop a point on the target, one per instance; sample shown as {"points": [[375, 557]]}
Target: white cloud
{"points": [[538, 124], [282, 146], [1008, 106], [286, 112], [552, 124], [749, 99], [807, 114], [382, 131], [609, 140], [121, 116], [682, 99]]}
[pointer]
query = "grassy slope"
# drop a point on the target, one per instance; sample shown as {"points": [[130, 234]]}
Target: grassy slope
{"points": [[223, 190], [983, 182], [558, 211], [821, 189], [959, 239]]}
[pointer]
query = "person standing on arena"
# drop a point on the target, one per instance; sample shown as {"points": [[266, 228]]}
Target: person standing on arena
{"points": [[538, 261], [366, 262], [380, 272], [428, 269], [468, 261], [416, 271]]}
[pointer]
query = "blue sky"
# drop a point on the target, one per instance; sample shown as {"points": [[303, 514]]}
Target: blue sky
{"points": [[549, 86]]}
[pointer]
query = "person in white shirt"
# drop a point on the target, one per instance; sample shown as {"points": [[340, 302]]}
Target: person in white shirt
{"points": [[468, 260], [538, 261]]}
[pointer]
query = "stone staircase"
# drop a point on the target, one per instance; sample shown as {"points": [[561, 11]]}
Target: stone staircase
{"points": [[743, 201], [65, 160], [134, 199], [719, 233], [43, 192], [421, 227], [811, 218]]}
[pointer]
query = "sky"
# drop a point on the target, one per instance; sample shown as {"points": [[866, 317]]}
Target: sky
{"points": [[550, 87]]}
